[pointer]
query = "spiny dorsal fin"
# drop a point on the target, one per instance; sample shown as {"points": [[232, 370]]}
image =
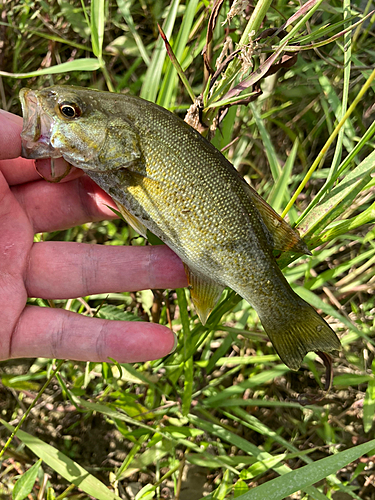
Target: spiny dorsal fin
{"points": [[203, 292]]}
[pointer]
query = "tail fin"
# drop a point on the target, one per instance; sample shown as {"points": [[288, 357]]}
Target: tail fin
{"points": [[295, 336]]}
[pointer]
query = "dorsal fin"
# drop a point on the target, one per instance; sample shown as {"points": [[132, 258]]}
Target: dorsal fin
{"points": [[285, 238]]}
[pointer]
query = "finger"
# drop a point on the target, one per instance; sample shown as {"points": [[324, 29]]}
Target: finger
{"points": [[56, 333], [10, 130], [56, 171], [52, 207], [19, 170], [15, 170], [16, 238], [59, 270]]}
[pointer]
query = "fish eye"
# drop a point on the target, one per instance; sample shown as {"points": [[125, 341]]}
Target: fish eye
{"points": [[70, 110]]}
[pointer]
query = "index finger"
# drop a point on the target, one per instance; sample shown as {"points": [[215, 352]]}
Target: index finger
{"points": [[10, 130], [15, 170]]}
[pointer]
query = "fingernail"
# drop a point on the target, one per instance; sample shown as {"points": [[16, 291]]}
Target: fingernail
{"points": [[10, 116], [175, 343]]}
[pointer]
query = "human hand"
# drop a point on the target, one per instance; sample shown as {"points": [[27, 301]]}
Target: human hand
{"points": [[61, 270]]}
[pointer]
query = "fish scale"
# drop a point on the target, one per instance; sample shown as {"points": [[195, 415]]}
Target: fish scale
{"points": [[165, 177]]}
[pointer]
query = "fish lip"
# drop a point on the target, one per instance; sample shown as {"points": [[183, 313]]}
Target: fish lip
{"points": [[37, 128]]}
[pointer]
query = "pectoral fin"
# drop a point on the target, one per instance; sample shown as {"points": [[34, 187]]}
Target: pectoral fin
{"points": [[133, 221], [203, 292], [285, 238]]}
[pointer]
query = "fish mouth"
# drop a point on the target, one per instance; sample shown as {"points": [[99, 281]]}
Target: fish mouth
{"points": [[37, 128]]}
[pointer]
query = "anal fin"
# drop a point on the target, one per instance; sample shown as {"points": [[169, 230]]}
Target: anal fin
{"points": [[203, 292], [133, 221]]}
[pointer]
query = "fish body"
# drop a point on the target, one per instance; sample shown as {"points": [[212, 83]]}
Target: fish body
{"points": [[165, 177]]}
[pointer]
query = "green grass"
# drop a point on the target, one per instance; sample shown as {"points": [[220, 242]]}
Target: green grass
{"points": [[222, 405]]}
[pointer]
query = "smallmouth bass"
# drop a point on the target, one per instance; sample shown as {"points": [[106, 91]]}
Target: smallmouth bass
{"points": [[165, 177]]}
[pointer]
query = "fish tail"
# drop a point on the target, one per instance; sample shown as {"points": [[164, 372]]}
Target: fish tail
{"points": [[298, 332]]}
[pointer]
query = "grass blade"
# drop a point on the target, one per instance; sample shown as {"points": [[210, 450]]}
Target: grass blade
{"points": [[329, 142], [369, 403], [151, 83], [268, 146], [281, 487], [169, 78], [188, 364], [89, 64], [280, 190], [248, 447], [337, 200], [97, 27], [169, 86], [124, 6], [254, 381], [25, 483], [65, 466]]}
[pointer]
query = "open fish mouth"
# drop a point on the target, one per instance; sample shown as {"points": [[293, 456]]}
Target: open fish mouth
{"points": [[37, 128]]}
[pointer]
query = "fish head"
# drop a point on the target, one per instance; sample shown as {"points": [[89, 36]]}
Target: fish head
{"points": [[74, 123]]}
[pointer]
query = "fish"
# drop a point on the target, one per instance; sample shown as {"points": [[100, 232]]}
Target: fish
{"points": [[168, 179]]}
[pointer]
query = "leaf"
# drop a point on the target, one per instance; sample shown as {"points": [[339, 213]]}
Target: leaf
{"points": [[342, 268], [97, 27], [148, 458], [215, 11], [318, 303], [344, 226], [169, 85], [369, 406], [20, 382], [280, 190], [225, 486], [124, 7], [233, 100], [249, 448], [112, 312], [262, 466], [214, 359], [335, 202], [268, 146], [329, 142], [88, 64], [188, 364], [151, 83], [240, 388], [331, 39], [51, 494], [169, 78], [146, 493], [350, 379], [256, 75], [239, 488], [25, 483], [299, 479], [64, 466], [300, 12]]}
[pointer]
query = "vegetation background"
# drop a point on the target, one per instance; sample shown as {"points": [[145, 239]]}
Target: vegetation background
{"points": [[221, 417]]}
